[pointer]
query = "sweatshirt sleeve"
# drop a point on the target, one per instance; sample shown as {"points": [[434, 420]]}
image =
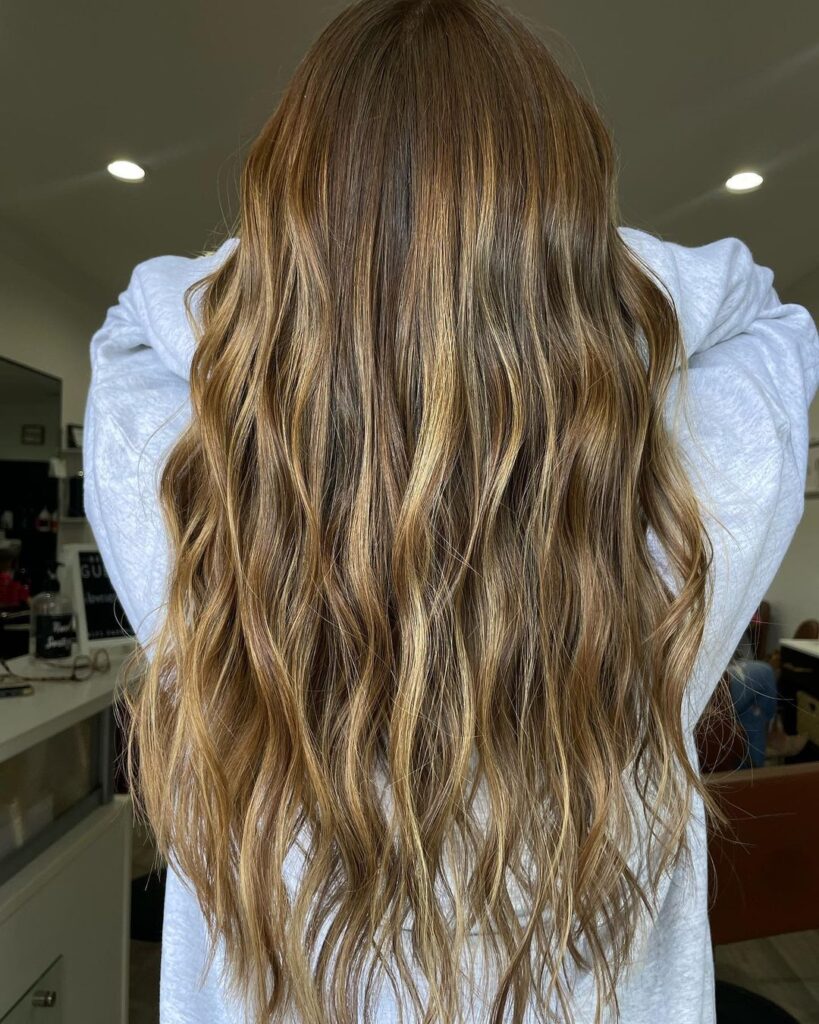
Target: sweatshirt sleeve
{"points": [[137, 407], [753, 369]]}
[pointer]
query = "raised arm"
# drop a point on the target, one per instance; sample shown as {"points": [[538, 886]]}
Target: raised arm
{"points": [[717, 289], [137, 406], [753, 369]]}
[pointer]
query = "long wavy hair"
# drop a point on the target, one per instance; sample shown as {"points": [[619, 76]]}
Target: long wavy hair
{"points": [[417, 636]]}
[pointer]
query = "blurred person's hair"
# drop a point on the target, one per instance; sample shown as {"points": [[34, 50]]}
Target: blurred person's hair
{"points": [[414, 523]]}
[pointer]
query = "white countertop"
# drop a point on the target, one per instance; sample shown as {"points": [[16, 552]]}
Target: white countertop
{"points": [[805, 646], [55, 706], [52, 707]]}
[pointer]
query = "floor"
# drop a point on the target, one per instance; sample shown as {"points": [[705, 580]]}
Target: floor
{"points": [[785, 969], [144, 976]]}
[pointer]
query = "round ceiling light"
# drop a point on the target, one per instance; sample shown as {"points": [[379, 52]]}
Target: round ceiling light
{"points": [[126, 170], [745, 181]]}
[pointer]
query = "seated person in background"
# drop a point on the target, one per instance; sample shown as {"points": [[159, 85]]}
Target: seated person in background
{"points": [[755, 697]]}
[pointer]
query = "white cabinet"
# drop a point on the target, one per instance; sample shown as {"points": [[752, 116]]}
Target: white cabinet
{"points": [[65, 858], [69, 906], [43, 1003]]}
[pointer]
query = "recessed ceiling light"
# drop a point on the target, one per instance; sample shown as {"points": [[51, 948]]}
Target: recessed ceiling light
{"points": [[745, 181], [126, 170]]}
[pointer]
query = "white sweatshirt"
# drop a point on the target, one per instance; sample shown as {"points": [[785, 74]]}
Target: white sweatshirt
{"points": [[753, 370]]}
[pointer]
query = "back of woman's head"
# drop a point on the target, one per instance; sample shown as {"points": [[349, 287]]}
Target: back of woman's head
{"points": [[411, 522]]}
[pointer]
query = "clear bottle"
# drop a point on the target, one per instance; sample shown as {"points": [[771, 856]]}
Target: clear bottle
{"points": [[51, 633]]}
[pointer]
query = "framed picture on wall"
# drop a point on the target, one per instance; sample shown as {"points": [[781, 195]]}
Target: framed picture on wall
{"points": [[32, 433], [73, 435], [812, 481]]}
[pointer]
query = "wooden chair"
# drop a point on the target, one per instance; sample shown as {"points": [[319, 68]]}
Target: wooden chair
{"points": [[763, 879], [807, 630]]}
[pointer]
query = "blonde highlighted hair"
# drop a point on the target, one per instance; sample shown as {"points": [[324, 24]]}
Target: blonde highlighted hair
{"points": [[414, 620]]}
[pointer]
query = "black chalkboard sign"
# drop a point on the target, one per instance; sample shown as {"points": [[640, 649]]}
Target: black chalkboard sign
{"points": [[104, 615]]}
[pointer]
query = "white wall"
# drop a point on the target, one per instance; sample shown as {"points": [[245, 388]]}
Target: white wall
{"points": [[794, 593], [47, 318]]}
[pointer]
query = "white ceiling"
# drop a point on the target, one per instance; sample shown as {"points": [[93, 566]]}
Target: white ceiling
{"points": [[693, 91]]}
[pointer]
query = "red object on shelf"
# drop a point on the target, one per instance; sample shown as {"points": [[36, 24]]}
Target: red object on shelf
{"points": [[12, 592]]}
